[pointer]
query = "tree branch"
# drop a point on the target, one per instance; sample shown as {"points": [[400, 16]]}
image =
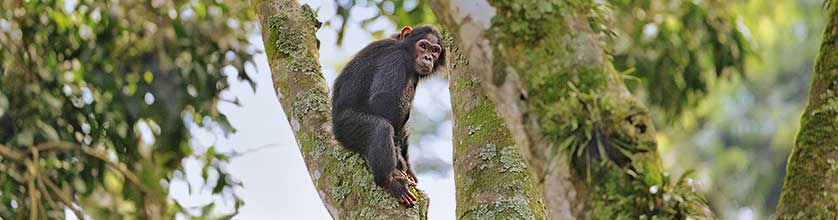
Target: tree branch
{"points": [[120, 167], [62, 197], [11, 154], [32, 173], [49, 199], [66, 146], [492, 179]]}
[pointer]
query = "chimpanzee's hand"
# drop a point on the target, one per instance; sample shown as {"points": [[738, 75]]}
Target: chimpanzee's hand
{"points": [[399, 188]]}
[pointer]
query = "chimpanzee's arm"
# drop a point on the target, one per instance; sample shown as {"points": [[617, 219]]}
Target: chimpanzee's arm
{"points": [[386, 90]]}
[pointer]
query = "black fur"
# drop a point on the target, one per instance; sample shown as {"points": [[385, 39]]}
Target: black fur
{"points": [[372, 100]]}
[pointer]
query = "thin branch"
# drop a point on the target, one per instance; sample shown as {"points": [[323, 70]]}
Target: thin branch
{"points": [[11, 154], [31, 190], [49, 199], [33, 201], [248, 151], [56, 145], [64, 146], [117, 166], [63, 197]]}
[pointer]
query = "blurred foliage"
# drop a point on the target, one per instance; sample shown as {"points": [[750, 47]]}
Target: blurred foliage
{"points": [[738, 138], [97, 98], [677, 49], [400, 12]]}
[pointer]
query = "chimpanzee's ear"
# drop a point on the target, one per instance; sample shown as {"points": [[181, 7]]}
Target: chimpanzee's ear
{"points": [[405, 31]]}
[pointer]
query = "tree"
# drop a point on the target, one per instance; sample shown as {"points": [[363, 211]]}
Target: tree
{"points": [[97, 99], [493, 181], [341, 177], [590, 144], [810, 187]]}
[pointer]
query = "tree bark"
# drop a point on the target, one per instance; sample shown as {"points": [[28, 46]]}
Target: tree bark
{"points": [[811, 185], [342, 178], [590, 145], [492, 179]]}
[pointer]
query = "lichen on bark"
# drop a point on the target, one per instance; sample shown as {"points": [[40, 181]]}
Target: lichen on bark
{"points": [[492, 179], [342, 178], [810, 190]]}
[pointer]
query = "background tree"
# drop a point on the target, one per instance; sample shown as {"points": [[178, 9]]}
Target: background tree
{"points": [[97, 100], [810, 187], [493, 181]]}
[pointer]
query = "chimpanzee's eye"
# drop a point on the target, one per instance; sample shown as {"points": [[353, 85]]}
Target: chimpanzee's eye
{"points": [[423, 46]]}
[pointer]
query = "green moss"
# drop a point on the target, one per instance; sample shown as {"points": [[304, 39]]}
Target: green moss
{"points": [[492, 181], [484, 124], [287, 38], [350, 183], [456, 58], [501, 170], [829, 104]]}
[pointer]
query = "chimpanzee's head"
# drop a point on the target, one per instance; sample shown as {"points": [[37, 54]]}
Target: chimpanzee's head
{"points": [[425, 46]]}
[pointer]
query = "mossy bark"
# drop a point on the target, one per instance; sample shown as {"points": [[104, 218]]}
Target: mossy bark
{"points": [[493, 181], [590, 144], [342, 178], [811, 186]]}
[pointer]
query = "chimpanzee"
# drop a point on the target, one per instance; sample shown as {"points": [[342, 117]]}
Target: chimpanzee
{"points": [[372, 99]]}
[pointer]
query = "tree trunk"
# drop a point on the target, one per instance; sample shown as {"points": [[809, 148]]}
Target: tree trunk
{"points": [[341, 177], [811, 186], [493, 181], [591, 146]]}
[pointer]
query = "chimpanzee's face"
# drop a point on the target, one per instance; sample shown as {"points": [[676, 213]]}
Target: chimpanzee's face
{"points": [[428, 51]]}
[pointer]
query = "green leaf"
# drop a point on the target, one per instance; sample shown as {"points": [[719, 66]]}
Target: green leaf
{"points": [[148, 77], [220, 183], [206, 211]]}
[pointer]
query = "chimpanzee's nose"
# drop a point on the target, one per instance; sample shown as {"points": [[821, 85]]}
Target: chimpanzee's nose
{"points": [[427, 57]]}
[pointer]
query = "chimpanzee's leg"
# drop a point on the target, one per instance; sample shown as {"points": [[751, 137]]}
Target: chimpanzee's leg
{"points": [[402, 144], [376, 135]]}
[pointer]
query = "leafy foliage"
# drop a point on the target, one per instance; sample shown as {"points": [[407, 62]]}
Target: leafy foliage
{"points": [[739, 137], [401, 12], [677, 48], [97, 98]]}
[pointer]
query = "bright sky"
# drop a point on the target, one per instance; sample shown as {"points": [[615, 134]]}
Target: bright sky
{"points": [[276, 181]]}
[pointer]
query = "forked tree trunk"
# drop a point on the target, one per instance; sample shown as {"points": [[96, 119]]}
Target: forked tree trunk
{"points": [[493, 181], [811, 186], [341, 177], [590, 144]]}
